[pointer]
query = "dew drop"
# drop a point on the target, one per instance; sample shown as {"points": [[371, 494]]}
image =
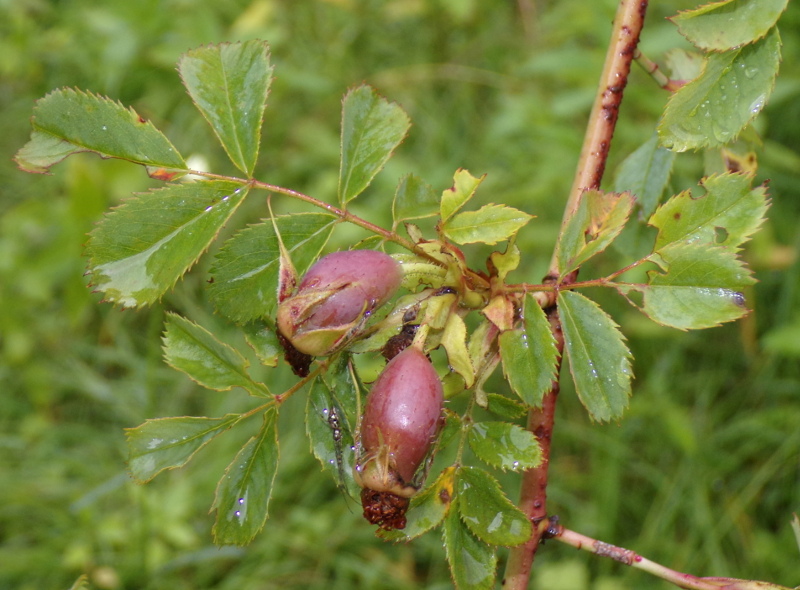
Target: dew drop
{"points": [[238, 514], [105, 128], [750, 72]]}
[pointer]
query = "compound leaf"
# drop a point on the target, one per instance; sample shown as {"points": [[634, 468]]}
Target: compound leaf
{"points": [[144, 246], [529, 354], [372, 127], [68, 121], [167, 443], [488, 225], [229, 84], [599, 360], [195, 351], [712, 109], [726, 215], [245, 272], [243, 493], [720, 26], [504, 445]]}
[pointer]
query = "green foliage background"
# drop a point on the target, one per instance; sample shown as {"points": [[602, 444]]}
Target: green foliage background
{"points": [[703, 472]]}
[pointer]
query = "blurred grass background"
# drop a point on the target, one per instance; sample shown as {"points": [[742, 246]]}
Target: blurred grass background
{"points": [[702, 474]]}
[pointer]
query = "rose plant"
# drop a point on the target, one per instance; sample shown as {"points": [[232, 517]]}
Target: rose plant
{"points": [[445, 322]]}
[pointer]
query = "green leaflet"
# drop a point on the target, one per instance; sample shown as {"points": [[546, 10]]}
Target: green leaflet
{"points": [[427, 509], [712, 109], [472, 562], [598, 220], [720, 26], [372, 127], [726, 215], [167, 443], [140, 249], [245, 272], [68, 121], [599, 360], [414, 199], [213, 364], [487, 512], [529, 355], [263, 339], [504, 445], [455, 343], [645, 174], [332, 410], [229, 84], [243, 493], [701, 287], [488, 225], [454, 198]]}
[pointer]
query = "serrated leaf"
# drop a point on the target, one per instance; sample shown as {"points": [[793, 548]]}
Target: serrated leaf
{"points": [[229, 84], [701, 288], [712, 109], [263, 339], [487, 512], [720, 26], [144, 246], [245, 271], [168, 443], [726, 215], [529, 355], [68, 121], [331, 414], [454, 340], [599, 360], [427, 509], [472, 562], [598, 220], [195, 351], [505, 262], [488, 225], [372, 127], [243, 493], [504, 407], [414, 199], [645, 174], [683, 64], [504, 445], [454, 198]]}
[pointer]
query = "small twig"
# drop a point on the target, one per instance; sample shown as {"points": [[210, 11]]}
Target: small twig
{"points": [[655, 72], [633, 559]]}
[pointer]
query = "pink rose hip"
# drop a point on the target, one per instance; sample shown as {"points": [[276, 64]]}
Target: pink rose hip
{"points": [[401, 419], [334, 298]]}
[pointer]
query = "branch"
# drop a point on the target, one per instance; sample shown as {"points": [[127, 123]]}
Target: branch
{"points": [[603, 118], [591, 166], [628, 557]]}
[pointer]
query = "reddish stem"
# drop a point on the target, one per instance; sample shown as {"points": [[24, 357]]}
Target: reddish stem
{"points": [[591, 166]]}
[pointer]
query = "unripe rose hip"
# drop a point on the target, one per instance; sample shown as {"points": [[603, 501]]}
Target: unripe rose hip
{"points": [[398, 429], [335, 297]]}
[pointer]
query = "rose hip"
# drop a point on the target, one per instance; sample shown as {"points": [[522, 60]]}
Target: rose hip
{"points": [[334, 298], [399, 426]]}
